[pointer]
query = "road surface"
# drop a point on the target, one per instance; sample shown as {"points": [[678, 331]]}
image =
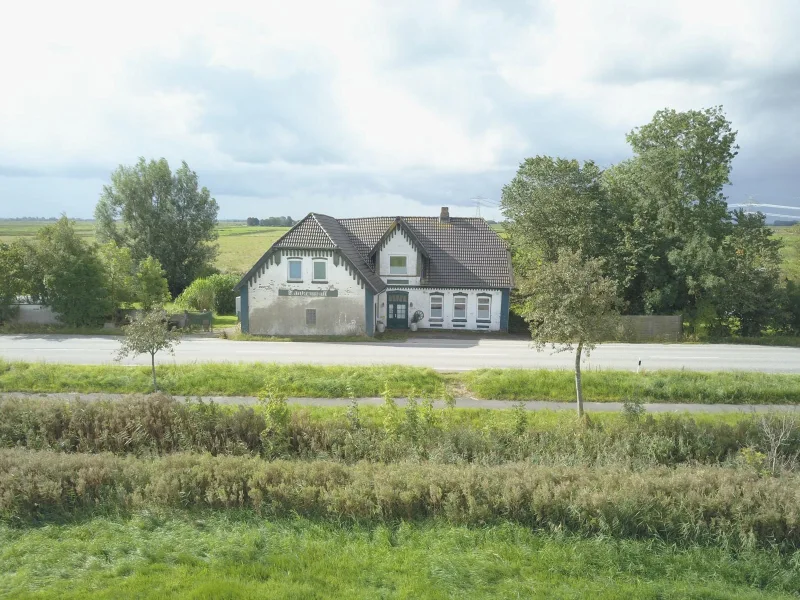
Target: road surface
{"points": [[441, 354]]}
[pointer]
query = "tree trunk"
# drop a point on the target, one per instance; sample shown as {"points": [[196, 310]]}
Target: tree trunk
{"points": [[578, 385], [153, 367]]}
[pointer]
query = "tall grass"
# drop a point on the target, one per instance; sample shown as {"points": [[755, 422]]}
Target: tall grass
{"points": [[157, 425], [234, 554], [732, 508]]}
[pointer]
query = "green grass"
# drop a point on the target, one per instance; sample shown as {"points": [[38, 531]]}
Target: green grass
{"points": [[239, 246], [237, 555], [227, 379], [790, 251], [722, 387], [297, 380], [224, 321]]}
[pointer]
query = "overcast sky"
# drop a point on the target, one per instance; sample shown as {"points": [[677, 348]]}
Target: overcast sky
{"points": [[359, 109]]}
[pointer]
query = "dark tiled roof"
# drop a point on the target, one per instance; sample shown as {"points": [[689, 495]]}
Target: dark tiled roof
{"points": [[308, 233], [465, 252]]}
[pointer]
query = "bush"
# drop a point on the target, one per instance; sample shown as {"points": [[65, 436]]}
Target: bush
{"points": [[732, 508], [214, 292]]}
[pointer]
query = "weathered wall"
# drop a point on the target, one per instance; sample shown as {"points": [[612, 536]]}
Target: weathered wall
{"points": [[398, 244], [36, 313], [420, 299], [270, 313], [652, 328]]}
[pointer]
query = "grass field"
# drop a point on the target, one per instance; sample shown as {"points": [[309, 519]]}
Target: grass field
{"points": [[240, 246], [791, 251], [198, 555], [248, 379]]}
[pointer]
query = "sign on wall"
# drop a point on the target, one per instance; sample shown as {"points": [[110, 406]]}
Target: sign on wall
{"points": [[315, 293]]}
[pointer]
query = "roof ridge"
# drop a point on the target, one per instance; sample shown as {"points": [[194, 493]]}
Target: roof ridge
{"points": [[313, 214]]}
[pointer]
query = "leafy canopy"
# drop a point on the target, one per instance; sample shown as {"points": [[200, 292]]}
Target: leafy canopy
{"points": [[166, 215]]}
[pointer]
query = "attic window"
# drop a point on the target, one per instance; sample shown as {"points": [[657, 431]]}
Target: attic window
{"points": [[397, 265]]}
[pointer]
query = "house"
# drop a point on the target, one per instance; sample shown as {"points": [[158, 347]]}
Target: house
{"points": [[330, 276]]}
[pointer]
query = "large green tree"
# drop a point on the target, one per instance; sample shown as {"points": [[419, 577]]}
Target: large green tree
{"points": [[12, 278], [119, 273], [162, 214], [73, 278]]}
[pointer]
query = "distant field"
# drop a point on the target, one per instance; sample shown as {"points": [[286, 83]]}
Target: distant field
{"points": [[240, 246], [790, 251]]}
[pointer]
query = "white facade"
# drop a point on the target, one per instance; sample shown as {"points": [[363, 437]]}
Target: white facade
{"points": [[420, 299], [277, 304], [397, 245]]}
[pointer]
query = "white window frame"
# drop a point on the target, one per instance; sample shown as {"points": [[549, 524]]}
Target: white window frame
{"points": [[456, 298], [314, 264], [440, 299], [289, 270], [405, 268], [488, 301]]}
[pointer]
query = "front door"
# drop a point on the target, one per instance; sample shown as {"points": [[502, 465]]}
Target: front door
{"points": [[397, 303]]}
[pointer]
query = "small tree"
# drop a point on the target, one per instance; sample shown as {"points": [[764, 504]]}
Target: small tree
{"points": [[12, 283], [569, 304], [118, 267], [149, 335], [151, 284]]}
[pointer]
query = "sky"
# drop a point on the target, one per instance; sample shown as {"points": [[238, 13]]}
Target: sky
{"points": [[364, 108]]}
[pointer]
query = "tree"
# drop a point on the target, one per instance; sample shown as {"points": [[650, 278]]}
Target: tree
{"points": [[118, 266], [74, 283], [151, 288], [214, 292], [156, 213], [555, 203], [252, 221], [12, 282], [148, 335], [571, 305]]}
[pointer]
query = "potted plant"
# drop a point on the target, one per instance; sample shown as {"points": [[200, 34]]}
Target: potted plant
{"points": [[381, 326], [416, 318]]}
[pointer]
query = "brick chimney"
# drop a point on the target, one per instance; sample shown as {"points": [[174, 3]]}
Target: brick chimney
{"points": [[444, 216]]}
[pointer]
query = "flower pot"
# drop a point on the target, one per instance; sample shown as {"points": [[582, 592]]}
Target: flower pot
{"points": [[413, 326], [381, 327]]}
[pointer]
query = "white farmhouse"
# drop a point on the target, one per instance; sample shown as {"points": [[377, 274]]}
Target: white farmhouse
{"points": [[329, 276]]}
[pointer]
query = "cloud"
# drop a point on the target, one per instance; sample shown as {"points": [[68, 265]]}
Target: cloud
{"points": [[366, 107]]}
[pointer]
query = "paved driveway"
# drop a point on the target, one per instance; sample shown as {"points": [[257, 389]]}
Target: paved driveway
{"points": [[440, 354]]}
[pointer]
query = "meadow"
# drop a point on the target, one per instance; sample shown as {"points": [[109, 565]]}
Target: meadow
{"points": [[316, 381], [240, 246], [790, 236]]}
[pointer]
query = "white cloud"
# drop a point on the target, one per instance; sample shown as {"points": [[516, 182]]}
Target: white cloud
{"points": [[402, 103]]}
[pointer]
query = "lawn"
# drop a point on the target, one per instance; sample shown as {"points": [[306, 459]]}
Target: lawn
{"points": [[298, 380], [182, 554]]}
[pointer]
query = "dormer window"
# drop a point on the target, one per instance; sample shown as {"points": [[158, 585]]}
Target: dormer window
{"points": [[398, 265]]}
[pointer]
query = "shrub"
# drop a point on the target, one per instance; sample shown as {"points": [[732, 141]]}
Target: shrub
{"points": [[721, 506], [214, 292]]}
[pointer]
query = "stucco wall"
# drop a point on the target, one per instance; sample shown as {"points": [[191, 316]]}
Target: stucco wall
{"points": [[399, 245], [272, 314], [36, 313], [420, 299]]}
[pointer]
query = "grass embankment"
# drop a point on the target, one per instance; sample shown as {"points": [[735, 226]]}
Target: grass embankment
{"points": [[193, 554], [248, 379]]}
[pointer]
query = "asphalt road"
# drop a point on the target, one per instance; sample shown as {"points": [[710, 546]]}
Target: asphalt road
{"points": [[441, 354]]}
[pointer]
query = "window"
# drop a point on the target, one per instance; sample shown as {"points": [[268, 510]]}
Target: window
{"points": [[320, 270], [397, 265], [436, 307], [311, 316], [295, 269], [460, 307], [484, 308]]}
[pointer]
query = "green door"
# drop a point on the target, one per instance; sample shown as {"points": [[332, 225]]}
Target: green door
{"points": [[398, 310]]}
